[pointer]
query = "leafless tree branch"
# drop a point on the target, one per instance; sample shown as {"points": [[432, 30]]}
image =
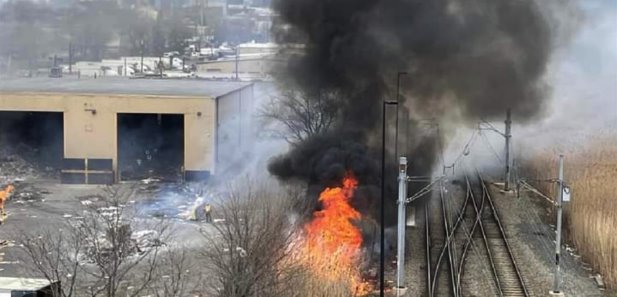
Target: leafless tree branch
{"points": [[301, 114]]}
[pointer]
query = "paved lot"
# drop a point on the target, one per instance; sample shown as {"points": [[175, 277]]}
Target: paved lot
{"points": [[45, 204]]}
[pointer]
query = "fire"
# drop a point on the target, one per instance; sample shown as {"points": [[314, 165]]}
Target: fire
{"points": [[4, 195], [333, 243]]}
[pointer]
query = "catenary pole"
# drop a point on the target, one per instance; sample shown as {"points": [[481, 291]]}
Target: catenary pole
{"points": [[398, 97], [382, 242], [559, 201], [508, 136], [402, 197]]}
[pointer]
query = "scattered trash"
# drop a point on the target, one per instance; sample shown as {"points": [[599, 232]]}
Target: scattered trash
{"points": [[150, 180], [172, 200], [136, 243], [599, 281], [146, 239]]}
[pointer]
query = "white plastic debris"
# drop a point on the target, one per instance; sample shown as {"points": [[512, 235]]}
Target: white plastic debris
{"points": [[599, 280]]}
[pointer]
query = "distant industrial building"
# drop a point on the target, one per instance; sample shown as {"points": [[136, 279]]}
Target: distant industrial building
{"points": [[248, 67], [257, 48], [111, 129]]}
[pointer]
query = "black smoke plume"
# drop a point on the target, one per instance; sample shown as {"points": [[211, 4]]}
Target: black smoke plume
{"points": [[478, 56]]}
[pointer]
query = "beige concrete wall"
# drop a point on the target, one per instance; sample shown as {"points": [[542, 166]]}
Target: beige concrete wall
{"points": [[235, 126], [199, 139], [228, 128], [90, 121]]}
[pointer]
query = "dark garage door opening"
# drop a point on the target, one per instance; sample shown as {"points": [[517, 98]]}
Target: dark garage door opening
{"points": [[150, 146], [36, 137]]}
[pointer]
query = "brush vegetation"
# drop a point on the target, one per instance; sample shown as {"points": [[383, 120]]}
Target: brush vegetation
{"points": [[591, 216]]}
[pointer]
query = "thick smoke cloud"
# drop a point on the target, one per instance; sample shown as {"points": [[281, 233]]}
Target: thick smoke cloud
{"points": [[482, 54], [478, 56]]}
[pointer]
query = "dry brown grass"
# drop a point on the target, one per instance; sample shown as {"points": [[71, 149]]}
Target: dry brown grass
{"points": [[591, 216]]}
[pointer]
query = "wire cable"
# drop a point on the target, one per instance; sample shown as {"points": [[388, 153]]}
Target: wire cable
{"points": [[466, 149], [425, 190], [488, 143]]}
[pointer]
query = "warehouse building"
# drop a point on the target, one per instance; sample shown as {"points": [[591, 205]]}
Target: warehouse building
{"points": [[100, 131]]}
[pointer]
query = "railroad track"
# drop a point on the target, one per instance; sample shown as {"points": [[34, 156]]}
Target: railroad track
{"points": [[439, 255], [474, 227], [442, 249], [506, 273]]}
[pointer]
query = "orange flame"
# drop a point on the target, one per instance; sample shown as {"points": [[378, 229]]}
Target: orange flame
{"points": [[4, 195], [333, 242]]}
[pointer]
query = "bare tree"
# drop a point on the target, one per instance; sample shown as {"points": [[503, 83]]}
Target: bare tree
{"points": [[98, 254], [177, 273], [250, 253], [114, 254], [301, 114], [54, 255]]}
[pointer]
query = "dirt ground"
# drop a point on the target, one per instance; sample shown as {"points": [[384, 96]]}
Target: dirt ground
{"points": [[533, 244]]}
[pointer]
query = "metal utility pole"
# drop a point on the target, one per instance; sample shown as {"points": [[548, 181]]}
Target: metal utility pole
{"points": [[402, 197], [508, 135], [398, 95], [559, 202], [201, 15], [236, 62], [382, 243], [70, 58], [141, 42], [161, 66], [484, 125]]}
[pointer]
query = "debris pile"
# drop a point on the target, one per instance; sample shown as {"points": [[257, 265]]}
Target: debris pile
{"points": [[15, 167], [126, 243], [27, 193], [12, 166], [171, 200]]}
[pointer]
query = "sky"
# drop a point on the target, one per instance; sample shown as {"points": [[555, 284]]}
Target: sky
{"points": [[583, 74]]}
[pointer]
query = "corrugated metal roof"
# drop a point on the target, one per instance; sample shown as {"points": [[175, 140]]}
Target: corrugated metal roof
{"points": [[122, 85]]}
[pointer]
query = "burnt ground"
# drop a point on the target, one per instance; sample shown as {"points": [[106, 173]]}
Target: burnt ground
{"points": [[533, 245]]}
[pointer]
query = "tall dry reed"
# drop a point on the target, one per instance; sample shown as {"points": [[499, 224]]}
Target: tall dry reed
{"points": [[591, 216]]}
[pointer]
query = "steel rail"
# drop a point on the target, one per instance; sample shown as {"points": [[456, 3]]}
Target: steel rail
{"points": [[447, 243], [518, 276], [486, 242], [427, 230], [476, 222], [448, 230]]}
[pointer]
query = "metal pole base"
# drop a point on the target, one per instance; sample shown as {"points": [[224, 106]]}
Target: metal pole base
{"points": [[556, 294], [400, 291]]}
